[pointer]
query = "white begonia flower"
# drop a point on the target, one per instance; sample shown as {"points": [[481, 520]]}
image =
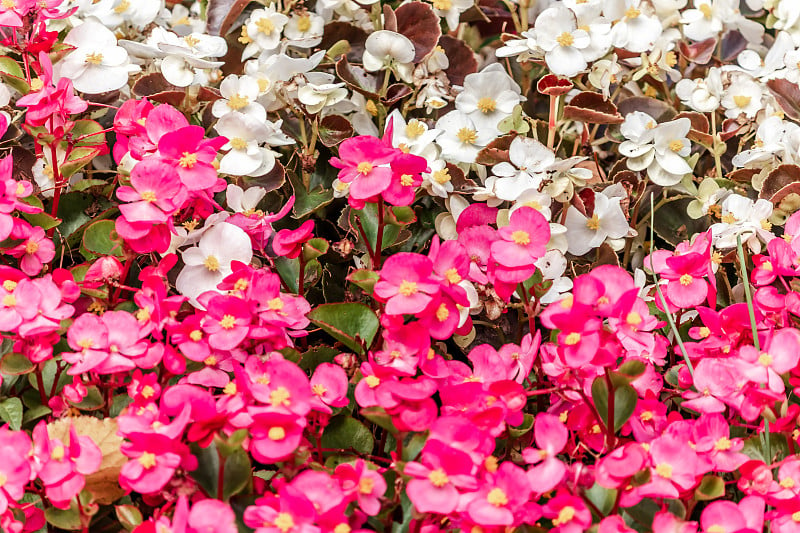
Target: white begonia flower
{"points": [[244, 201], [769, 144], [320, 93], [558, 35], [743, 217], [636, 30], [743, 96], [787, 18], [604, 73], [97, 65], [704, 21], [438, 181], [552, 265], [524, 47], [702, 94], [388, 49], [530, 160], [208, 263], [586, 233], [263, 29], [451, 10], [590, 19], [244, 134], [709, 193], [304, 30], [660, 149], [137, 13], [460, 139], [535, 199], [413, 137], [489, 96], [183, 22], [239, 93]]}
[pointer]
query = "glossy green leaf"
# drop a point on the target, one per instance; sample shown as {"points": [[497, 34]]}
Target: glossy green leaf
{"points": [[11, 412], [625, 398], [344, 432], [350, 323]]}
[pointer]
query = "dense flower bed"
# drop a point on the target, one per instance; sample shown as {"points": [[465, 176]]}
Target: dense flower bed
{"points": [[324, 266]]}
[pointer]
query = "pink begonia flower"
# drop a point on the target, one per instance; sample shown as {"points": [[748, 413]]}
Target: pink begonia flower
{"points": [[104, 344], [191, 154], [279, 384], [551, 437], [501, 496], [713, 443], [402, 347], [674, 468], [406, 284], [407, 172], [226, 322], [15, 469], [154, 458], [155, 193], [614, 524], [523, 241], [363, 484], [780, 354], [62, 467], [363, 162], [52, 105], [34, 252], [746, 517], [206, 516], [437, 479], [104, 269], [275, 436], [39, 303], [288, 512], [568, 513], [329, 387], [129, 125], [289, 243]]}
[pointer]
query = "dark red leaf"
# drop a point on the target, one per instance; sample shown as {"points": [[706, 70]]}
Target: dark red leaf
{"points": [[788, 96], [344, 31], [699, 53], [334, 129], [418, 22], [553, 85], [776, 183], [592, 108], [221, 14], [461, 57]]}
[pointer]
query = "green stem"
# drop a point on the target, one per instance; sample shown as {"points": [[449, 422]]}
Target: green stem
{"points": [[715, 145]]}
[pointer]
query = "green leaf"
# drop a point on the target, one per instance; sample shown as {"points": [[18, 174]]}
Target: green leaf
{"points": [[89, 131], [625, 398], [520, 430], [711, 488], [368, 217], [317, 355], [207, 471], [306, 202], [237, 474], [364, 278], [129, 516], [78, 158], [15, 364], [43, 220], [35, 413], [100, 238], [11, 412], [378, 415], [602, 498], [344, 432], [314, 248], [93, 400], [11, 73], [289, 271], [82, 185], [69, 519], [350, 323]]}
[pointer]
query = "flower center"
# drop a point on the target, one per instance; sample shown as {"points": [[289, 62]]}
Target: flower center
{"points": [[593, 223], [9, 4], [441, 176], [408, 288], [227, 322], [9, 300], [633, 318], [686, 280], [31, 248], [566, 514], [521, 237], [36, 84], [276, 433], [364, 168], [57, 454], [497, 497], [122, 7], [414, 128], [238, 101], [319, 389], [365, 485], [276, 304], [95, 58], [632, 13], [211, 263], [372, 381], [303, 23], [487, 105], [467, 135], [452, 275], [280, 396], [723, 444], [765, 359], [148, 392], [9, 285], [187, 160], [237, 143], [796, 516], [573, 339], [565, 39], [407, 180], [149, 196], [442, 5], [265, 25], [438, 478], [147, 460], [671, 59], [284, 521], [442, 313], [705, 9], [716, 528], [676, 145], [646, 416], [196, 335], [766, 225], [741, 100], [664, 470]]}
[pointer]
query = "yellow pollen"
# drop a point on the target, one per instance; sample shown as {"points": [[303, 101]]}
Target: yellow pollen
{"points": [[57, 454], [303, 23], [86, 343], [280, 396], [566, 303], [467, 135], [565, 39], [147, 460], [593, 223], [237, 102], [521, 237], [364, 168], [490, 464], [9, 4], [240, 285], [573, 339], [342, 528], [633, 318], [676, 145], [497, 497], [284, 521], [716, 528], [263, 83], [686, 280], [143, 314], [787, 483], [372, 381], [566, 514], [365, 485], [227, 322], [211, 263], [766, 225], [147, 392], [442, 313], [371, 108], [452, 276], [671, 59], [766, 265], [210, 361], [276, 304], [723, 444], [237, 143], [441, 176], [3, 479], [187, 160], [596, 429], [191, 41], [646, 416], [407, 288], [123, 7], [407, 180], [414, 129], [603, 300], [191, 225], [276, 433], [245, 38], [442, 5], [796, 516], [403, 147], [704, 332], [319, 389], [705, 9], [265, 25], [487, 105], [728, 218], [149, 196], [94, 58], [230, 388], [31, 248], [741, 100], [632, 13], [534, 204], [765, 359], [716, 257], [650, 125], [438, 478], [9, 300], [664, 470], [196, 335]]}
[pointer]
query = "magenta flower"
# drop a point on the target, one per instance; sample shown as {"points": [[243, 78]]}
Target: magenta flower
{"points": [[292, 512], [551, 436], [289, 243], [363, 161], [363, 484], [501, 496], [227, 322], [34, 252], [406, 284], [438, 479], [15, 470], [154, 458], [275, 436], [155, 193], [191, 154], [568, 513], [523, 241], [329, 387]]}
